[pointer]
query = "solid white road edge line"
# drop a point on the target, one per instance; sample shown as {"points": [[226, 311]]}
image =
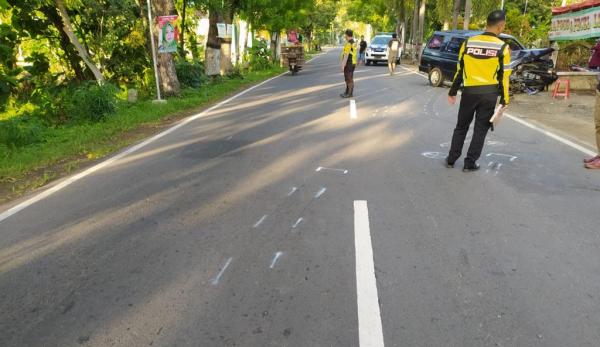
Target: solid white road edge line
{"points": [[67, 182], [353, 114], [370, 333], [552, 135]]}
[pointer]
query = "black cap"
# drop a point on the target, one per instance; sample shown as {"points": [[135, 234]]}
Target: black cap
{"points": [[349, 33], [496, 17]]}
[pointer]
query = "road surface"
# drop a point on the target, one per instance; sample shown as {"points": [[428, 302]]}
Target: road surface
{"points": [[285, 218]]}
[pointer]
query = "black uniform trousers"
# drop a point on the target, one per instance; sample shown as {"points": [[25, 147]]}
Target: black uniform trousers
{"points": [[349, 75], [482, 107]]}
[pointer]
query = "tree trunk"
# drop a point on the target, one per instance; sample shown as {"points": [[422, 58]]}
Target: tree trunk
{"points": [[415, 24], [65, 43], [68, 29], [182, 31], [421, 27], [467, 19], [226, 63], [275, 46], [455, 14], [212, 55], [166, 67]]}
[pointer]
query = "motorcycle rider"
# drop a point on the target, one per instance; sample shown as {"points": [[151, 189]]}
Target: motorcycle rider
{"points": [[483, 73]]}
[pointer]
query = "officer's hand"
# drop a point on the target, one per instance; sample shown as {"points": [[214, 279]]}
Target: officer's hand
{"points": [[452, 100]]}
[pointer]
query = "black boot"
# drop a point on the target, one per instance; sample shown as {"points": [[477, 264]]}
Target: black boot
{"points": [[345, 94], [350, 92]]}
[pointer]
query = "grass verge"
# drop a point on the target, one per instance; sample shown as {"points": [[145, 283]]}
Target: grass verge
{"points": [[68, 148]]}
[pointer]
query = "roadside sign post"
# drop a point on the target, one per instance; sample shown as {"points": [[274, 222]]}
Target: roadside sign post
{"points": [[155, 66]]}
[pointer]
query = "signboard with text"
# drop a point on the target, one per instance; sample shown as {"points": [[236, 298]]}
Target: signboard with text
{"points": [[577, 25]]}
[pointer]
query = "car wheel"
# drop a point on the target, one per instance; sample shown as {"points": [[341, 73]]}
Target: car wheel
{"points": [[436, 77], [368, 62]]}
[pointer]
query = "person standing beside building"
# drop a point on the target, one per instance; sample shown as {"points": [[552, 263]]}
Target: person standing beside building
{"points": [[483, 73], [362, 48], [594, 163], [594, 62], [393, 49], [348, 62]]}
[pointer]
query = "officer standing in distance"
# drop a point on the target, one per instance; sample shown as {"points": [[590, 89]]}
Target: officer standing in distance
{"points": [[348, 62], [483, 73]]}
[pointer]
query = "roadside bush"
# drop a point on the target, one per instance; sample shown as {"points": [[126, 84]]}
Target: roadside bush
{"points": [[190, 74], [92, 102], [21, 131], [259, 56]]}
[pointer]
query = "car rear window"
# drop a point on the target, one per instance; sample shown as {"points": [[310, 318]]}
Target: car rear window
{"points": [[454, 44], [513, 44], [436, 42]]}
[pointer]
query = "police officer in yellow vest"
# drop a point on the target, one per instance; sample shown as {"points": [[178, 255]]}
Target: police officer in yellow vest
{"points": [[483, 74], [348, 61]]}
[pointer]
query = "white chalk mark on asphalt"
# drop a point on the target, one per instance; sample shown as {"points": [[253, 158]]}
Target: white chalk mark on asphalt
{"points": [[320, 192], [370, 332], [297, 222], [275, 258], [433, 155], [321, 168], [260, 221], [292, 191], [511, 157], [217, 278], [353, 113]]}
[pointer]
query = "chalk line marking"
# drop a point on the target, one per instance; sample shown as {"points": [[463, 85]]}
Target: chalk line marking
{"points": [[275, 258], [538, 129], [370, 332], [297, 222], [320, 192], [217, 278], [67, 182], [321, 168], [292, 191], [433, 155], [353, 113], [260, 221], [509, 156]]}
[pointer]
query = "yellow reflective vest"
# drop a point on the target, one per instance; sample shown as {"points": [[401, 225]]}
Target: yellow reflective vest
{"points": [[350, 49], [483, 67]]}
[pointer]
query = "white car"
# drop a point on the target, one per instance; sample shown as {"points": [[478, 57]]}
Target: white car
{"points": [[377, 51]]}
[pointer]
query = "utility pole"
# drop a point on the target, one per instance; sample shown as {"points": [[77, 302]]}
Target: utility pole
{"points": [[153, 52]]}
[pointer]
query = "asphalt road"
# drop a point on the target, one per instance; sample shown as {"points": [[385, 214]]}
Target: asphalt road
{"points": [[225, 232]]}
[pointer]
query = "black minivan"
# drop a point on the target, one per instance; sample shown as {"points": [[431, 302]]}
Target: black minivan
{"points": [[440, 55]]}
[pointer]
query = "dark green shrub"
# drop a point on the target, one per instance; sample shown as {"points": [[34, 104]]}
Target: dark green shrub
{"points": [[236, 73], [259, 56], [190, 74], [92, 102], [21, 131]]}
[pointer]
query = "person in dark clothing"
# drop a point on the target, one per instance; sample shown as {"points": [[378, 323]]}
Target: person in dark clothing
{"points": [[348, 62], [362, 48], [594, 62], [483, 74]]}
